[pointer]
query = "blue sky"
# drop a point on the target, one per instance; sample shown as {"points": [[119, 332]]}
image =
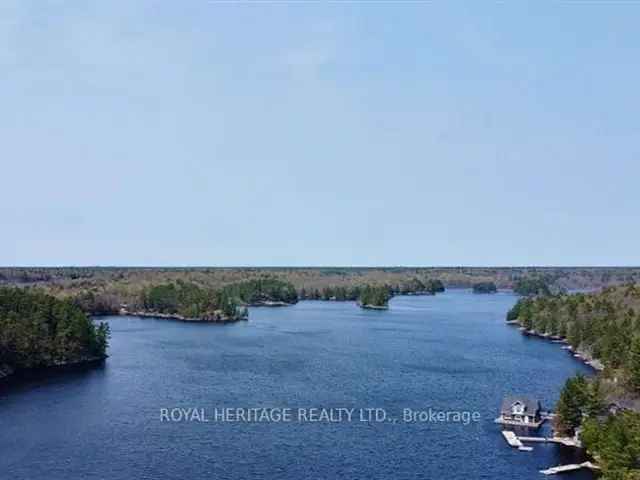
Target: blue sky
{"points": [[291, 133]]}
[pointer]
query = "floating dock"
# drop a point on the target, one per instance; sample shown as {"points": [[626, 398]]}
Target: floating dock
{"points": [[513, 441], [569, 468], [534, 439], [519, 442]]}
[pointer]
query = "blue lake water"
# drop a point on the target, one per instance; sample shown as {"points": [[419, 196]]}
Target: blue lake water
{"points": [[449, 352]]}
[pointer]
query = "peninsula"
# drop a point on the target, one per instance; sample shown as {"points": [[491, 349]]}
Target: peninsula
{"points": [[600, 329], [40, 331]]}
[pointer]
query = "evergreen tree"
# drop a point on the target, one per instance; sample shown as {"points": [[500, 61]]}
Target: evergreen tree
{"points": [[571, 405], [594, 404], [634, 364]]}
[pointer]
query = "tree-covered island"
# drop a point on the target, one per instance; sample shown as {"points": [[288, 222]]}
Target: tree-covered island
{"points": [[40, 331], [374, 297], [188, 302]]}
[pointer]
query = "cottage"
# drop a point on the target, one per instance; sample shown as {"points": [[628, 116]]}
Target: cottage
{"points": [[520, 411]]}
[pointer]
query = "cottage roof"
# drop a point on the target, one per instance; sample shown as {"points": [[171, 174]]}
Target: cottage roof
{"points": [[531, 406]]}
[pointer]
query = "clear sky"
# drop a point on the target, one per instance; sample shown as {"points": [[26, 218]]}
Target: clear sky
{"points": [[293, 133]]}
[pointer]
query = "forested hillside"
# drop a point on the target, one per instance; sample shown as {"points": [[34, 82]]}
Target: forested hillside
{"points": [[603, 327]]}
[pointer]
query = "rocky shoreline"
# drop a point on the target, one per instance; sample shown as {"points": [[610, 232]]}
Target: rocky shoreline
{"points": [[215, 317], [580, 355], [271, 303], [367, 306]]}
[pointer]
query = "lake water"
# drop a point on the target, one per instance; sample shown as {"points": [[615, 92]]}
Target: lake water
{"points": [[451, 352]]}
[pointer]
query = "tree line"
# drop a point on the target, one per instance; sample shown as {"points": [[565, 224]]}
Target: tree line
{"points": [[354, 292], [485, 287]]}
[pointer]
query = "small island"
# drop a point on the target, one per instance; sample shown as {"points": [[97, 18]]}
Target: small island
{"points": [[40, 331], [485, 287], [374, 298]]}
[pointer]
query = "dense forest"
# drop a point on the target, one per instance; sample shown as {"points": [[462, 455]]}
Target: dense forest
{"points": [[411, 286], [38, 330], [204, 295], [599, 325], [604, 328], [194, 302], [485, 287]]}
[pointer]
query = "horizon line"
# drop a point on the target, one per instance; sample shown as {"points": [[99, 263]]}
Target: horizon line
{"points": [[321, 266]]}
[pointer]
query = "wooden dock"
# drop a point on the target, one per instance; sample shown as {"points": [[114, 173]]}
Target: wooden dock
{"points": [[519, 442], [569, 468], [513, 423], [513, 441], [534, 439], [511, 438], [566, 441]]}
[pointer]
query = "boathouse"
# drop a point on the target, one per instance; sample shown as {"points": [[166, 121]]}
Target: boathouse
{"points": [[521, 411]]}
